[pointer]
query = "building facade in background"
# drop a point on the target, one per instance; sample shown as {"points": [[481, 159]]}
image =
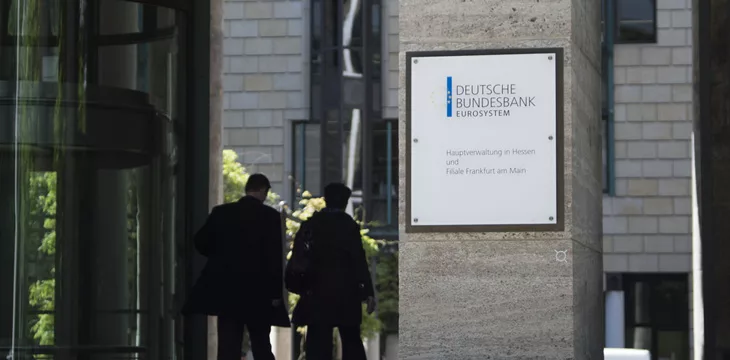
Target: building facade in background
{"points": [[311, 96], [647, 206]]}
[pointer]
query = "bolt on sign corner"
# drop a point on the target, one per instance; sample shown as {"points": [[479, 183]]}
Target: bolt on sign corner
{"points": [[485, 132]]}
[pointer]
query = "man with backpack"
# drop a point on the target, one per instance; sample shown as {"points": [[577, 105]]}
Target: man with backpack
{"points": [[329, 270]]}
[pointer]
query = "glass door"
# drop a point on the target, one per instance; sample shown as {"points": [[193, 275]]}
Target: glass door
{"points": [[89, 206]]}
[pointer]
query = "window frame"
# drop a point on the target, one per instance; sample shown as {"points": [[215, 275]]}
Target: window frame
{"points": [[298, 152], [618, 21], [391, 124], [653, 280]]}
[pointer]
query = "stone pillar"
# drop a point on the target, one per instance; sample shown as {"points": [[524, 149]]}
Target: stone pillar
{"points": [[712, 172], [506, 295]]}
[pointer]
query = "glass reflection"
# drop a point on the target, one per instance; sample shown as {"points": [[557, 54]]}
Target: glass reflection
{"points": [[353, 99], [657, 314], [384, 198], [636, 20], [88, 143], [636, 9], [353, 167], [306, 159], [352, 40], [345, 81]]}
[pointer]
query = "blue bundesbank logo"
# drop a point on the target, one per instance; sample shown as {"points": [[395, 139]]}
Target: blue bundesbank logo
{"points": [[449, 92], [484, 100]]}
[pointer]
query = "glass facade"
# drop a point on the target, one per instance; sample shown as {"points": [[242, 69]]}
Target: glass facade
{"points": [[382, 208], [93, 211], [346, 138]]}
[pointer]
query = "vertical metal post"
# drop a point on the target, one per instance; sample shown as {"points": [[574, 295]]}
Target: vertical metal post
{"points": [[340, 117], [389, 172], [610, 28], [196, 151], [367, 113], [301, 150]]}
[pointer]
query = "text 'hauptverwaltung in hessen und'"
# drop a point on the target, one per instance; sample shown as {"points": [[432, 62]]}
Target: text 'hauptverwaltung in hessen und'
{"points": [[471, 162]]}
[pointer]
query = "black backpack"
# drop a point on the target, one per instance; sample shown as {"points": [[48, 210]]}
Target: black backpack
{"points": [[298, 268]]}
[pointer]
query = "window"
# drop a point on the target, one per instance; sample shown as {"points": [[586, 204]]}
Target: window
{"points": [[605, 121], [657, 314], [635, 21], [306, 155], [382, 199]]}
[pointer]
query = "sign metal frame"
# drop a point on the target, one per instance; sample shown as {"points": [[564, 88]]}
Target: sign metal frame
{"points": [[559, 225]]}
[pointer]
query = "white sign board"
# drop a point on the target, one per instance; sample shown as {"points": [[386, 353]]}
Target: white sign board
{"points": [[484, 138]]}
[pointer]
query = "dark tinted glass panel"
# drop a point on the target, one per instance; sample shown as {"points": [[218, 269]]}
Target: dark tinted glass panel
{"points": [[604, 154], [332, 148], [375, 25], [353, 63], [333, 18], [631, 10], [316, 25], [671, 302], [384, 211], [352, 146], [657, 314], [639, 337], [641, 296], [672, 345], [377, 106], [603, 21], [306, 158], [345, 91], [636, 32], [605, 120], [352, 23], [375, 53], [353, 90], [636, 21]]}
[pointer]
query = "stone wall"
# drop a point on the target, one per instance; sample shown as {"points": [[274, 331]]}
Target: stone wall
{"points": [[264, 82], [390, 64], [647, 224]]}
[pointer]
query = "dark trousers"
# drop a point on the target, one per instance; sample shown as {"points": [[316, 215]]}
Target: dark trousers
{"points": [[230, 339], [319, 343]]}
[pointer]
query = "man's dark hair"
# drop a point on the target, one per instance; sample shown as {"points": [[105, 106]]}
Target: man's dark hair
{"points": [[336, 195], [257, 182]]}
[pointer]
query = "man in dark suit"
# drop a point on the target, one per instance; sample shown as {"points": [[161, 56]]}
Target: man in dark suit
{"points": [[241, 283], [339, 280]]}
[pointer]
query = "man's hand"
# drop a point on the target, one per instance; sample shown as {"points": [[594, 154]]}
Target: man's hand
{"points": [[275, 302], [370, 305]]}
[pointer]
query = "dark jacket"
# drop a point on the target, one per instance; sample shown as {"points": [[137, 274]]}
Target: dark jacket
{"points": [[243, 244], [340, 277]]}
